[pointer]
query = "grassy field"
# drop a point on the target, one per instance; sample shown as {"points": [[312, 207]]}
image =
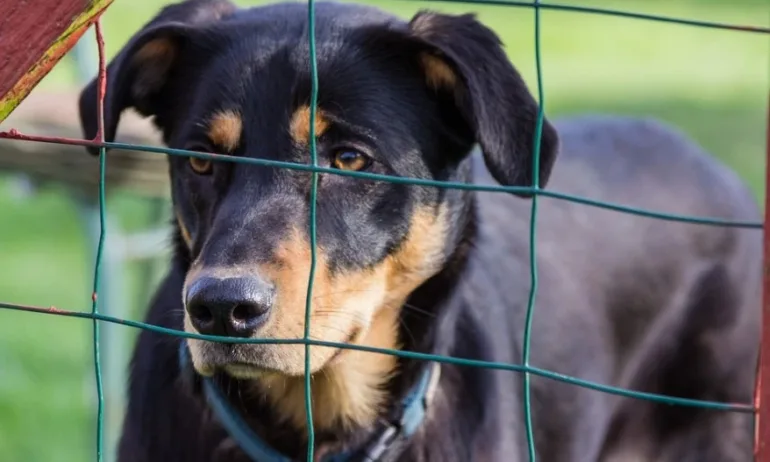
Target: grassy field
{"points": [[713, 84]]}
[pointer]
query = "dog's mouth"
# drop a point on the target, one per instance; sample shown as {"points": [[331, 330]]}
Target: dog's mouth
{"points": [[246, 361]]}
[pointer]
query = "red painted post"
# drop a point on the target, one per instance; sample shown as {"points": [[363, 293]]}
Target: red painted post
{"points": [[762, 394], [33, 38]]}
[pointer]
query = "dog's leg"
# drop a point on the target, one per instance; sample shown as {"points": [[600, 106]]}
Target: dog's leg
{"points": [[695, 349], [714, 361], [712, 437]]}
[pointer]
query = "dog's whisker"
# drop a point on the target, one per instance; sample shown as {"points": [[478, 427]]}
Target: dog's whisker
{"points": [[414, 309], [405, 326], [326, 327], [340, 293]]}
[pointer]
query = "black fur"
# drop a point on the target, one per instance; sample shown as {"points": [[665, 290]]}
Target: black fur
{"points": [[611, 285]]}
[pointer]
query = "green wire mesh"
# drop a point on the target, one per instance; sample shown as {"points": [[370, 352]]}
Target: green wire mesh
{"points": [[526, 369], [313, 194], [532, 253], [102, 233]]}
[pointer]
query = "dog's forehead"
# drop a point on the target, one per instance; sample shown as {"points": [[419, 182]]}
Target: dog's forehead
{"points": [[264, 72], [269, 27], [284, 17], [269, 49], [287, 26]]}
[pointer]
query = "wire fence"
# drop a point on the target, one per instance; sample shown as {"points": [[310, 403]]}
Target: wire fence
{"points": [[525, 368]]}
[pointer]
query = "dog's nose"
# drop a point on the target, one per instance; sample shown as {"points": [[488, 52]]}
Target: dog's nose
{"points": [[233, 307]]}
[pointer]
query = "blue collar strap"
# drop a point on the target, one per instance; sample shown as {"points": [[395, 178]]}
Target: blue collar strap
{"points": [[386, 445]]}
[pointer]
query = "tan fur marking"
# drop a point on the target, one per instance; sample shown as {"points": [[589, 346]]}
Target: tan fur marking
{"points": [[153, 60], [184, 231], [348, 385], [299, 126], [225, 128], [420, 256], [437, 72], [160, 50]]}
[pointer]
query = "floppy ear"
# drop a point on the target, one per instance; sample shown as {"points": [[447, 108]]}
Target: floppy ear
{"points": [[465, 59], [138, 74]]}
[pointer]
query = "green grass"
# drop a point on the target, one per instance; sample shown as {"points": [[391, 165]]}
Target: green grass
{"points": [[712, 84]]}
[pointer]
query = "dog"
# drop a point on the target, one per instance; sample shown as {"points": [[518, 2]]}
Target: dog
{"points": [[656, 306]]}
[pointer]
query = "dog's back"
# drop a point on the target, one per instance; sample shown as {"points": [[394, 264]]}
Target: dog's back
{"points": [[642, 303]]}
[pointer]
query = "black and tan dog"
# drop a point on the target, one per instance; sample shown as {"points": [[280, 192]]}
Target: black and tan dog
{"points": [[651, 305]]}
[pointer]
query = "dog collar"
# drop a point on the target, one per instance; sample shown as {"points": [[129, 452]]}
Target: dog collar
{"points": [[384, 446]]}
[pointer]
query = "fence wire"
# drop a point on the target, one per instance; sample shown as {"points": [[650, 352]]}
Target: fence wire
{"points": [[526, 369]]}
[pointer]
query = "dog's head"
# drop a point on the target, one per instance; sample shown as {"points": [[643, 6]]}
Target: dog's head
{"points": [[402, 98]]}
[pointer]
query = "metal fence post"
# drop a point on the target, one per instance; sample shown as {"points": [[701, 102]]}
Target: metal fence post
{"points": [[112, 293]]}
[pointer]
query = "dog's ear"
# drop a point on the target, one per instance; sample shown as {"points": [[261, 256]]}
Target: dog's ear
{"points": [[465, 60], [137, 75]]}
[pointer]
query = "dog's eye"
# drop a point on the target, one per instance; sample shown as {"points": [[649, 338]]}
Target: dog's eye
{"points": [[197, 164], [348, 159], [200, 166]]}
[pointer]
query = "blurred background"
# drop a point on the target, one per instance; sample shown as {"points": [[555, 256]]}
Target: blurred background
{"points": [[713, 84]]}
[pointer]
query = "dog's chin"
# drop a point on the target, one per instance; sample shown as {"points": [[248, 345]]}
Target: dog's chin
{"points": [[236, 369]]}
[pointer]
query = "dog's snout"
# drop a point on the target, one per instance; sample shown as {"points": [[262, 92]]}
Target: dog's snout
{"points": [[234, 307]]}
